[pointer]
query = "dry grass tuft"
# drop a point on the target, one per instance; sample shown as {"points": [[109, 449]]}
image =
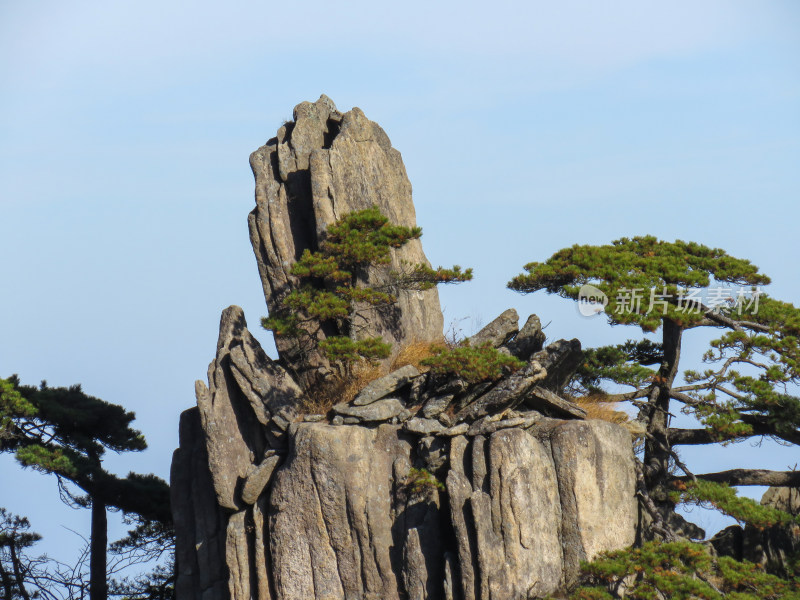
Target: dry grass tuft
{"points": [[604, 411], [338, 388], [413, 354], [343, 388]]}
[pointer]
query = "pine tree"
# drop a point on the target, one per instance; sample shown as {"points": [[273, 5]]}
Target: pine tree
{"points": [[745, 391], [333, 296], [680, 570], [15, 567], [65, 432]]}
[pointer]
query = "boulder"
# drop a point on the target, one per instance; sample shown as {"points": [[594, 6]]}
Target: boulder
{"points": [[499, 331], [529, 340], [553, 405], [436, 405], [507, 393], [560, 359], [775, 546], [388, 384], [423, 427], [381, 410], [729, 542], [257, 481]]}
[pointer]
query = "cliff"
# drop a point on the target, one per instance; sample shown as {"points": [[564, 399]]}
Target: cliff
{"points": [[420, 487]]}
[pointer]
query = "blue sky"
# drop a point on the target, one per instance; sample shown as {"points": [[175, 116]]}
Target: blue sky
{"points": [[125, 130]]}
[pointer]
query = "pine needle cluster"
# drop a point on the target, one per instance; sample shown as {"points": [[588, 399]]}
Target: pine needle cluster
{"points": [[472, 363], [683, 571]]}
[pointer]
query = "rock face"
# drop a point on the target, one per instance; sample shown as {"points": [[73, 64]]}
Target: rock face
{"points": [[774, 547], [384, 503], [319, 167], [200, 522], [420, 488]]}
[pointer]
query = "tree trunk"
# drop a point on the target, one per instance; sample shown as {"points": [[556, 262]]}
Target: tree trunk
{"points": [[18, 572], [657, 446], [7, 585], [98, 585]]}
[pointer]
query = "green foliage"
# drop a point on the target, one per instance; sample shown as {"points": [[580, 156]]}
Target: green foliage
{"points": [[55, 460], [729, 401], [421, 482], [17, 570], [14, 531], [623, 364], [348, 351], [68, 417], [66, 434], [724, 498], [679, 570], [331, 291], [745, 390], [472, 363], [364, 237], [423, 277], [12, 405], [64, 431], [642, 263]]}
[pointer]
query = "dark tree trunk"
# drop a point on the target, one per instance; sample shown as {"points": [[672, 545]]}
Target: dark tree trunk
{"points": [[704, 436], [18, 573], [657, 446], [98, 585], [8, 586]]}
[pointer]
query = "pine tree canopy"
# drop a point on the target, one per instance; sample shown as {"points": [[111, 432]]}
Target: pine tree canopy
{"points": [[71, 419], [639, 263]]}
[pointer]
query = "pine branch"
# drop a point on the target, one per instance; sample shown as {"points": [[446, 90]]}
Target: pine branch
{"points": [[751, 477]]}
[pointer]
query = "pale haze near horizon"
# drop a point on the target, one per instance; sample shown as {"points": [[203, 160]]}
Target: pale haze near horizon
{"points": [[525, 127]]}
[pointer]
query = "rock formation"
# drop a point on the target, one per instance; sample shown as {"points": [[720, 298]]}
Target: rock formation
{"points": [[774, 547], [421, 487], [321, 166]]}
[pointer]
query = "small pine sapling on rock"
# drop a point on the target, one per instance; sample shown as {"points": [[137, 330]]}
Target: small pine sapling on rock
{"points": [[333, 298], [473, 364]]}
